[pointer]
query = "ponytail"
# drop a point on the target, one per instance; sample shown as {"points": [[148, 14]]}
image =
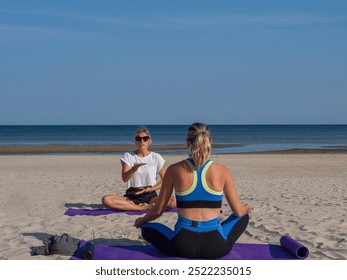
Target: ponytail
{"points": [[199, 143]]}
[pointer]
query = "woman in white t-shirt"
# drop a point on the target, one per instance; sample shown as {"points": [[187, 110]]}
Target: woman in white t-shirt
{"points": [[140, 170]]}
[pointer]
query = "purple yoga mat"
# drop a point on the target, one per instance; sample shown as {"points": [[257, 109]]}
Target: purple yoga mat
{"points": [[98, 212], [240, 251], [294, 247]]}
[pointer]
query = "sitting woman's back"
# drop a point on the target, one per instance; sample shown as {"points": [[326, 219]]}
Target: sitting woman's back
{"points": [[198, 191]]}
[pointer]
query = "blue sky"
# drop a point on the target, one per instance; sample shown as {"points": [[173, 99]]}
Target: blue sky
{"points": [[173, 62]]}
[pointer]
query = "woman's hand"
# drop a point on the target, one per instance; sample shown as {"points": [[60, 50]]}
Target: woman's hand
{"points": [[248, 207], [145, 190], [128, 172], [137, 166], [140, 192]]}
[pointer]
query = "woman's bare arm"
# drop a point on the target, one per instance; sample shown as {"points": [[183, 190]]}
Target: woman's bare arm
{"points": [[127, 172], [232, 197], [160, 205]]}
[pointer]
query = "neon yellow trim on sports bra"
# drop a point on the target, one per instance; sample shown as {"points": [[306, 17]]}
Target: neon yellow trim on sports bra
{"points": [[195, 180], [204, 183]]}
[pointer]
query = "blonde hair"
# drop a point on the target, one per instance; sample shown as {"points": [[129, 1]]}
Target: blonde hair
{"points": [[199, 143], [144, 130]]}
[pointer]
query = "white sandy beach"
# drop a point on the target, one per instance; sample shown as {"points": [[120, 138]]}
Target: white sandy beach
{"points": [[303, 195]]}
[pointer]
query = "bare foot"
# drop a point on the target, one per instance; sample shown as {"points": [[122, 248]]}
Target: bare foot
{"points": [[150, 205], [145, 206]]}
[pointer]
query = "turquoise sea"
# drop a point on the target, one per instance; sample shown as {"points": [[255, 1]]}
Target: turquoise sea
{"points": [[248, 137]]}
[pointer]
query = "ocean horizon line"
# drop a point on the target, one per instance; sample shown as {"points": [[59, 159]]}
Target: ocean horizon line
{"points": [[242, 138], [209, 124]]}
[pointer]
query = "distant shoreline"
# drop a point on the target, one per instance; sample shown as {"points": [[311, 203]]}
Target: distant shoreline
{"points": [[118, 148], [110, 148]]}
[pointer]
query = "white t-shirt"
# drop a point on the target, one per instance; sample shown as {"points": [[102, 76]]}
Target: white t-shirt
{"points": [[146, 175]]}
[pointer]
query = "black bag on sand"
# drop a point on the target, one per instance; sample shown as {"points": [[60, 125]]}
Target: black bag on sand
{"points": [[57, 244]]}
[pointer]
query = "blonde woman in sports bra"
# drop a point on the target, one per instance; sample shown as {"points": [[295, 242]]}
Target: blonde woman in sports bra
{"points": [[199, 186]]}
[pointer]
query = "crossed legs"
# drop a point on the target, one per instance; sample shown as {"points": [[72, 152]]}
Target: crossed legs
{"points": [[168, 242], [122, 203]]}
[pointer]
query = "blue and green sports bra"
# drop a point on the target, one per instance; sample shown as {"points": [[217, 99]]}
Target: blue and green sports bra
{"points": [[199, 195]]}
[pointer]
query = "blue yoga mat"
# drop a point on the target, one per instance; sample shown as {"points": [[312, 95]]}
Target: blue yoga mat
{"points": [[288, 250], [98, 212]]}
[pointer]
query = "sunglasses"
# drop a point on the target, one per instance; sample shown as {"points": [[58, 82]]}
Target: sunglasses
{"points": [[144, 138]]}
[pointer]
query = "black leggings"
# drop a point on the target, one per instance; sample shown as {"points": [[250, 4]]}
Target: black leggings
{"points": [[191, 239]]}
